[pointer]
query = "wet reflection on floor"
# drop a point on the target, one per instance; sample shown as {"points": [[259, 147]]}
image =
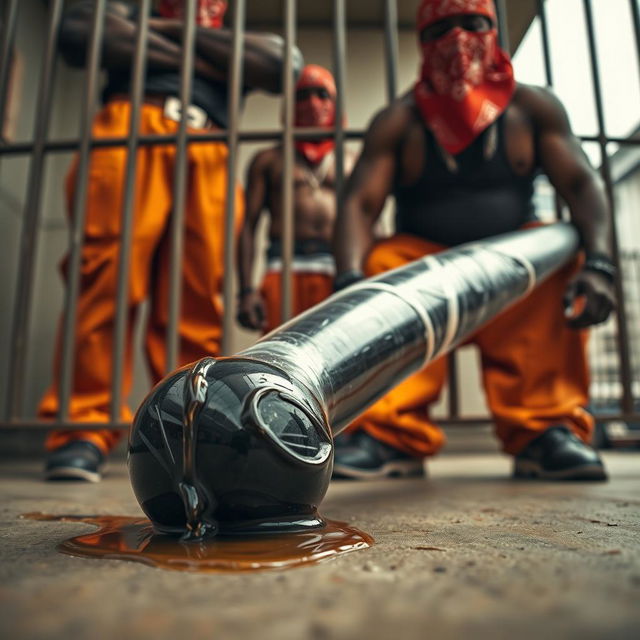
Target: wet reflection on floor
{"points": [[128, 538]]}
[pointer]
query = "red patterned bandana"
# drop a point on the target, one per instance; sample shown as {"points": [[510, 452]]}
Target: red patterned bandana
{"points": [[209, 13], [315, 111], [466, 80]]}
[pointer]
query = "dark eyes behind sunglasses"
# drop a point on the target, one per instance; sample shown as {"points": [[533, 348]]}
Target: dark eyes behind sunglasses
{"points": [[308, 92], [468, 23]]}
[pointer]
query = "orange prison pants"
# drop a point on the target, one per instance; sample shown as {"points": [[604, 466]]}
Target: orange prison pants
{"points": [[308, 289], [202, 265], [534, 368]]}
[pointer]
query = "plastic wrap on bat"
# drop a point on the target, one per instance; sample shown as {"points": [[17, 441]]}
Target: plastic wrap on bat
{"points": [[244, 444]]}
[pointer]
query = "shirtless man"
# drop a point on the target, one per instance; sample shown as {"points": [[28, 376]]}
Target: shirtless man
{"points": [[314, 211], [459, 153]]}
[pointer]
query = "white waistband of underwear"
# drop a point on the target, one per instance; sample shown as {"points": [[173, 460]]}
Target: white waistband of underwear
{"points": [[320, 263]]}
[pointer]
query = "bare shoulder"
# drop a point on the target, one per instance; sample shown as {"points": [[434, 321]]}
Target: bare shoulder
{"points": [[390, 125], [542, 106], [265, 159]]}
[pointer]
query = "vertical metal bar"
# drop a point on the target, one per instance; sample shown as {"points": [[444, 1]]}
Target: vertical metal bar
{"points": [[391, 47], [635, 12], [339, 62], [288, 159], [235, 89], [76, 239], [180, 187], [503, 26], [7, 38], [546, 52], [31, 223], [623, 335], [124, 258], [454, 391]]}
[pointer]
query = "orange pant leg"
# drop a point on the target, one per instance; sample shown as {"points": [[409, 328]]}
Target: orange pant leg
{"points": [[401, 417], [535, 368], [308, 289], [91, 390], [201, 311]]}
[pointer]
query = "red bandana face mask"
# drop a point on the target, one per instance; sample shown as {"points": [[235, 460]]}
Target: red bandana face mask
{"points": [[209, 13], [315, 107], [466, 80]]}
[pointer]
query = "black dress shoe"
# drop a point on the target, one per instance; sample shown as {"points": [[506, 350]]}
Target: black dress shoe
{"points": [[358, 456], [558, 454], [77, 460]]}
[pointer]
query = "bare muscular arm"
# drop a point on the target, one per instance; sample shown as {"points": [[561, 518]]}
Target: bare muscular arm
{"points": [[263, 53], [367, 189], [568, 169], [119, 40], [251, 311]]}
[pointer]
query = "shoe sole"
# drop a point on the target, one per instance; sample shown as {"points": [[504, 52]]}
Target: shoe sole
{"points": [[73, 473], [532, 470], [400, 469]]}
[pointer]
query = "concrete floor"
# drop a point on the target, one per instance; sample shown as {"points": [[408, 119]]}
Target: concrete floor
{"points": [[468, 553]]}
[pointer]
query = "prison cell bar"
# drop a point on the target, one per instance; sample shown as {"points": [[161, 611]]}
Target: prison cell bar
{"points": [[339, 62], [286, 301], [28, 236], [124, 256], [76, 241], [7, 38], [635, 13], [180, 188], [503, 30], [40, 146], [250, 135], [621, 315], [232, 138], [391, 47], [548, 74]]}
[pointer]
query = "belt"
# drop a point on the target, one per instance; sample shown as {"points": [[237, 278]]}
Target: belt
{"points": [[307, 247], [197, 117]]}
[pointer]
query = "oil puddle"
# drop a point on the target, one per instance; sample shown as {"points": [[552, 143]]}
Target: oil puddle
{"points": [[127, 538]]}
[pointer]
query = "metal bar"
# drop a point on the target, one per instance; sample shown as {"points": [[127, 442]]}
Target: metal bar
{"points": [[546, 54], [635, 11], [391, 47], [544, 33], [7, 38], [623, 335], [453, 403], [503, 28], [288, 231], [76, 239], [124, 258], [339, 65], [254, 135], [235, 89], [180, 187], [28, 238]]}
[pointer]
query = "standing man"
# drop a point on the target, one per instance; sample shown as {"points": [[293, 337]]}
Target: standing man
{"points": [[80, 454], [459, 153], [314, 210]]}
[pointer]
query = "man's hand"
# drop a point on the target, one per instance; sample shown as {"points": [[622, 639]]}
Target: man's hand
{"points": [[251, 311], [589, 299]]}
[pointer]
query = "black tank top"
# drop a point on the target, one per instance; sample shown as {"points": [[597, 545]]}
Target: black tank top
{"points": [[483, 198]]}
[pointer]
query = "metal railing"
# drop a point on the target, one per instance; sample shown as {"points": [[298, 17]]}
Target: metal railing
{"points": [[41, 146]]}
